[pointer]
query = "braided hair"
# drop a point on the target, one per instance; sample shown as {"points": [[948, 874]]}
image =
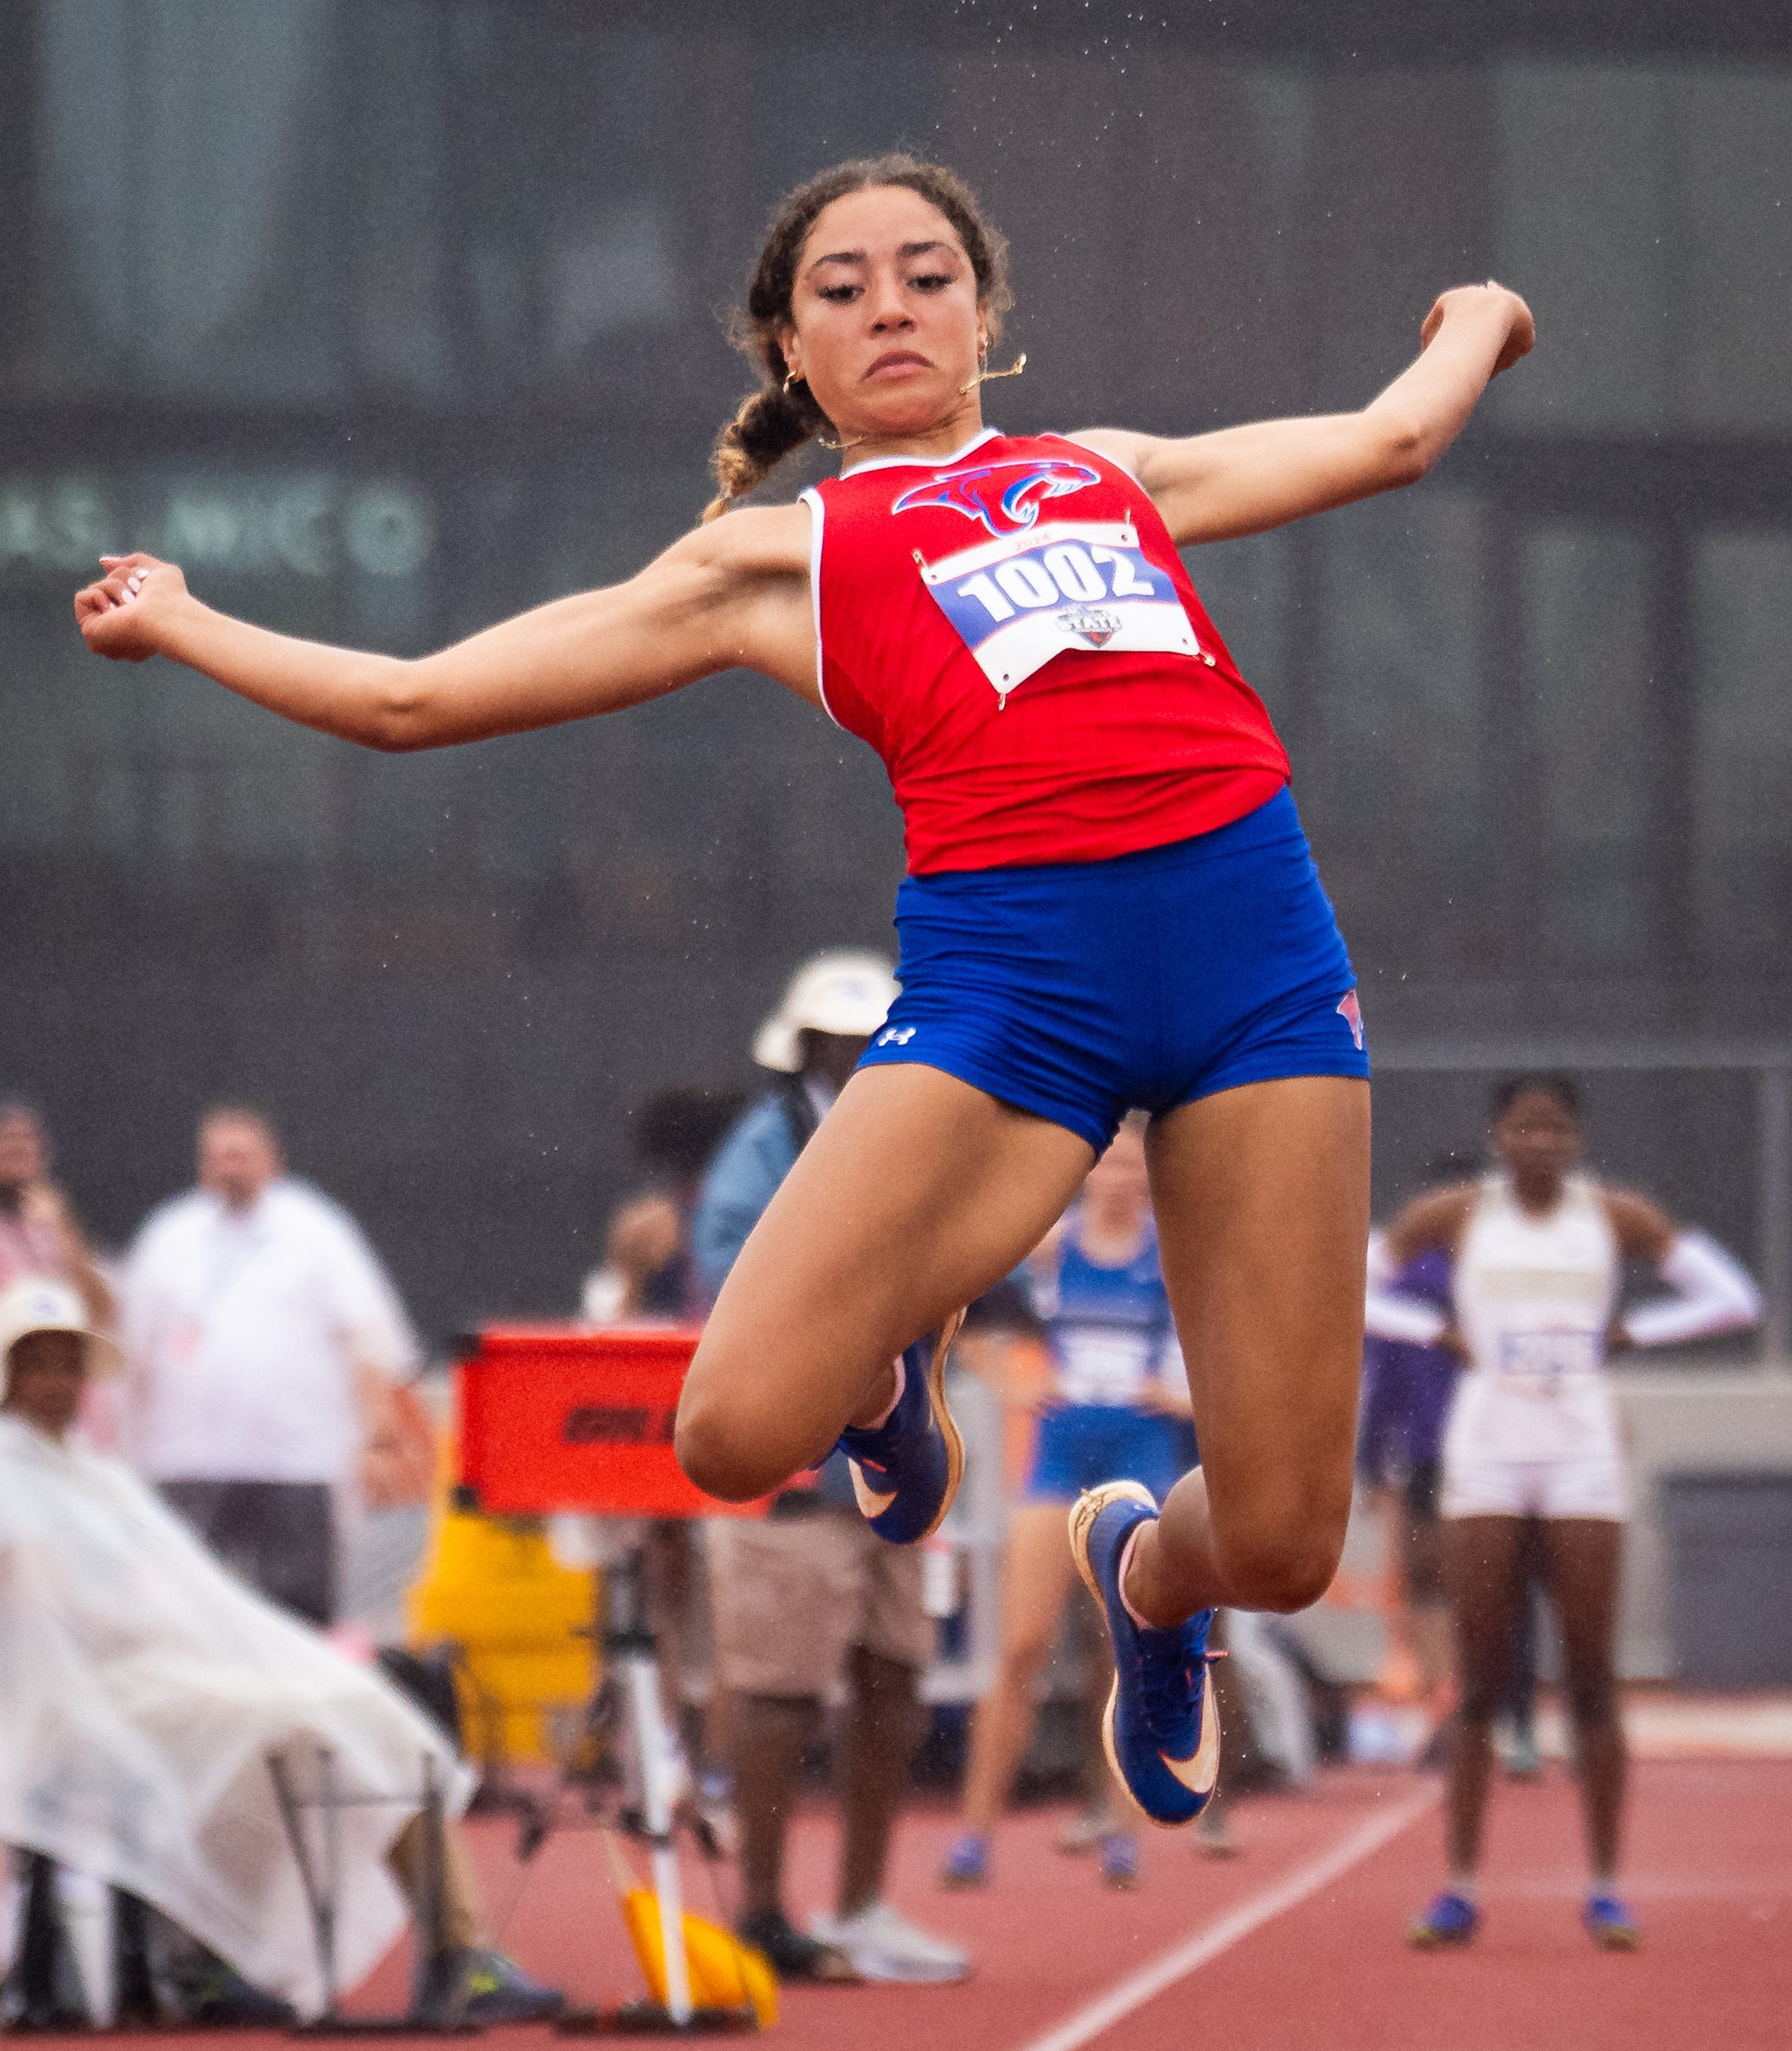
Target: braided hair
{"points": [[774, 419]]}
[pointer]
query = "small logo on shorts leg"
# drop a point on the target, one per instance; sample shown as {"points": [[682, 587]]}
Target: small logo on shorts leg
{"points": [[1351, 1012], [900, 1036]]}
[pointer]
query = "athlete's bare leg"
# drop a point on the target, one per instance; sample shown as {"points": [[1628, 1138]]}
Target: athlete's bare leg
{"points": [[1036, 1576], [1481, 1557], [916, 1194], [1581, 1556], [1262, 1200]]}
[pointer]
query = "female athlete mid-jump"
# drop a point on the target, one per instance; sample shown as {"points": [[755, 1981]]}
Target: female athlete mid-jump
{"points": [[1110, 902]]}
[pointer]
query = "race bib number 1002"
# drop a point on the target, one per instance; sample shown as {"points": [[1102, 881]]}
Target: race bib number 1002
{"points": [[1017, 601]]}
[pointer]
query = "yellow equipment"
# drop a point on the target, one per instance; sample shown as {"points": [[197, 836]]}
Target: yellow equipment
{"points": [[491, 1587], [724, 1972]]}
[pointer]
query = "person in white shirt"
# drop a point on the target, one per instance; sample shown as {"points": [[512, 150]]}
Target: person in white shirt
{"points": [[263, 1340]]}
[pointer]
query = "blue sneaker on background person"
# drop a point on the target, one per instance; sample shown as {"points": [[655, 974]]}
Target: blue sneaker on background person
{"points": [[907, 1470], [1119, 1860], [1161, 1727], [1610, 1923], [1450, 1923], [967, 1863]]}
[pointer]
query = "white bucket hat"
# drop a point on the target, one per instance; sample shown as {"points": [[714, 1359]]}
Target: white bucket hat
{"points": [[845, 991], [41, 1305]]}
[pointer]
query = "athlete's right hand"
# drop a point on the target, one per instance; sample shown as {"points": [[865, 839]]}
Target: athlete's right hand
{"points": [[121, 615]]}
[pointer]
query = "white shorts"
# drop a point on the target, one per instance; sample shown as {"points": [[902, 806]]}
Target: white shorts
{"points": [[1590, 1485]]}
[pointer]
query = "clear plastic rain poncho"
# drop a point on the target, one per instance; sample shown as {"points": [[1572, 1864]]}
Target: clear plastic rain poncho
{"points": [[141, 1690]]}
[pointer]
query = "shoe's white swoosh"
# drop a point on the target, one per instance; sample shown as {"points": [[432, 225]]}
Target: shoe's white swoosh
{"points": [[871, 1503], [1198, 1774]]}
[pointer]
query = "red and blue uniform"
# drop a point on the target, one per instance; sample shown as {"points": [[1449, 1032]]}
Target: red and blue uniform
{"points": [[1016, 636], [1110, 901]]}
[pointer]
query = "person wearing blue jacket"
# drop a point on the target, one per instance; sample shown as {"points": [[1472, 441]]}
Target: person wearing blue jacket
{"points": [[810, 1598]]}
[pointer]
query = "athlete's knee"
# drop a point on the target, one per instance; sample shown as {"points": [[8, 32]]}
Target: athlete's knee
{"points": [[1286, 1576], [717, 1450], [1282, 1562]]}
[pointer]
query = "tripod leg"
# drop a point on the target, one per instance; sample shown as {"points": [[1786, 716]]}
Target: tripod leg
{"points": [[323, 1932], [654, 1750], [433, 1998]]}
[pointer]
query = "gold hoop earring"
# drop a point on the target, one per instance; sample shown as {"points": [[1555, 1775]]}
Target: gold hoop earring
{"points": [[989, 377], [791, 377]]}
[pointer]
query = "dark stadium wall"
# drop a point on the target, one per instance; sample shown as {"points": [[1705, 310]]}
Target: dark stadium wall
{"points": [[380, 365]]}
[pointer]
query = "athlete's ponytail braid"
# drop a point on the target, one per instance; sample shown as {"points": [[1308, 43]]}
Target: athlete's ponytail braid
{"points": [[771, 423], [774, 420]]}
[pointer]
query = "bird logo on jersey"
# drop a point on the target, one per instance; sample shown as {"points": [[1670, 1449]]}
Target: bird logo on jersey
{"points": [[1006, 497]]}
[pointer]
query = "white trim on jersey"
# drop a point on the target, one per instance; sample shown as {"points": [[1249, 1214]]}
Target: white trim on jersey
{"points": [[1076, 441], [922, 462], [818, 513]]}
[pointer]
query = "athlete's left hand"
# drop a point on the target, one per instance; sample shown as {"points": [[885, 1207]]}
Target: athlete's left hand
{"points": [[1521, 327]]}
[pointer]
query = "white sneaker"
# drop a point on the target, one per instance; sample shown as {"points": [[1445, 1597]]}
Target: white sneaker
{"points": [[885, 1945]]}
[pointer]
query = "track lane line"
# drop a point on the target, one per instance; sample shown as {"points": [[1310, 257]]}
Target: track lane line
{"points": [[1194, 1953]]}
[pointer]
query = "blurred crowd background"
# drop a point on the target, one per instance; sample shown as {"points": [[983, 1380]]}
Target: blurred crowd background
{"points": [[386, 318]]}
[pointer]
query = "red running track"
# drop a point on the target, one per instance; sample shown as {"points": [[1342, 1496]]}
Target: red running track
{"points": [[1295, 1944]]}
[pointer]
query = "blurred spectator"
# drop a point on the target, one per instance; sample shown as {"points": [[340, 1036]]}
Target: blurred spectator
{"points": [[39, 1232], [143, 1692], [810, 1598], [1115, 1408], [647, 1270], [265, 1342], [646, 1265]]}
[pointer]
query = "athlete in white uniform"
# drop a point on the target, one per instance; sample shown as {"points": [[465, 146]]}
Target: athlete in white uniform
{"points": [[1538, 1252]]}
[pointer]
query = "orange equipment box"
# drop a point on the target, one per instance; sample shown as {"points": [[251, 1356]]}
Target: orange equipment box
{"points": [[555, 1417]]}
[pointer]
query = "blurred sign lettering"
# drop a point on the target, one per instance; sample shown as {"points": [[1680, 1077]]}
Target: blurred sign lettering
{"points": [[311, 525]]}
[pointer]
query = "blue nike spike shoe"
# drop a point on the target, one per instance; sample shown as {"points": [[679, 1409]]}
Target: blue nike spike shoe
{"points": [[906, 1471], [1449, 1924], [1161, 1727], [1610, 1923]]}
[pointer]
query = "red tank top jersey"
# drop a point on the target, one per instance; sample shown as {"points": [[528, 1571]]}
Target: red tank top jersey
{"points": [[1014, 631]]}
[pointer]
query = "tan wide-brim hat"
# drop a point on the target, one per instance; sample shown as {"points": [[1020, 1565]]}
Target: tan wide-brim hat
{"points": [[845, 992], [41, 1305]]}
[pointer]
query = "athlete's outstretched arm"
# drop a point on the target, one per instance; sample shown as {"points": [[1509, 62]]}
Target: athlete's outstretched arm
{"points": [[734, 592], [1241, 480]]}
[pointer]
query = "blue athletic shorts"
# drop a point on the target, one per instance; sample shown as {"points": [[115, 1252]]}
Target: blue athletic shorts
{"points": [[1081, 1445], [1082, 989]]}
